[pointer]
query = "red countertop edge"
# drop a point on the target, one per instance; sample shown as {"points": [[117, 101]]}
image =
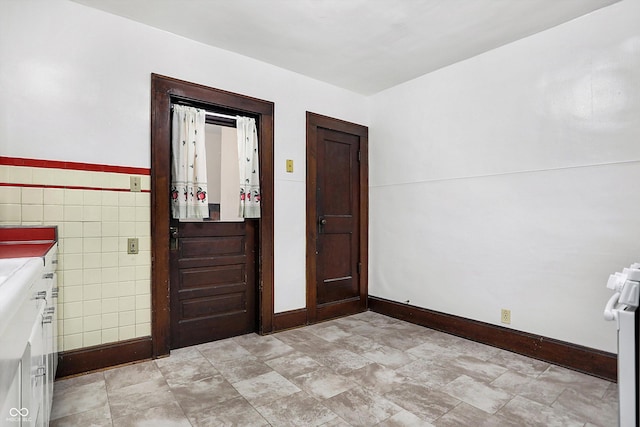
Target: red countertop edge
{"points": [[21, 242]]}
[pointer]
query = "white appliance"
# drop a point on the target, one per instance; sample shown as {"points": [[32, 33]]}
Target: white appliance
{"points": [[622, 308]]}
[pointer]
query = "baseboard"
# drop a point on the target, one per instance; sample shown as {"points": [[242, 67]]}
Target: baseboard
{"points": [[289, 319], [583, 359], [98, 357]]}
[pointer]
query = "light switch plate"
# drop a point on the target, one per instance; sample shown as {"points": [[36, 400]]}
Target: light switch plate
{"points": [[289, 166], [135, 183], [132, 245]]}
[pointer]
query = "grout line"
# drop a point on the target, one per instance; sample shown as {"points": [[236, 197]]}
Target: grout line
{"points": [[527, 171]]}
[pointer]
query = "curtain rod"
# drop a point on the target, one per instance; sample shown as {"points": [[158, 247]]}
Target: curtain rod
{"points": [[224, 116], [211, 113]]}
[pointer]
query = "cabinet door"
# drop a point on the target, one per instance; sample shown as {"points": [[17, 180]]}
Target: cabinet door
{"points": [[38, 370], [11, 407]]}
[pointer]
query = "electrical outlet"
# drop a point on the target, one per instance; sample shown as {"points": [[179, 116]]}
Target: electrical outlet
{"points": [[505, 316]]}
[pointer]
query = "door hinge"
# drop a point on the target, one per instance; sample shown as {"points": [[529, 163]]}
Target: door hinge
{"points": [[359, 156], [359, 267]]}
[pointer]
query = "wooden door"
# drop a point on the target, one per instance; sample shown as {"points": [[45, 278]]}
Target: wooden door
{"points": [[336, 218], [213, 286], [165, 91]]}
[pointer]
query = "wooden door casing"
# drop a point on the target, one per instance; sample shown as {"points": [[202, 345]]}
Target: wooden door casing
{"points": [[337, 218], [213, 286], [164, 90]]}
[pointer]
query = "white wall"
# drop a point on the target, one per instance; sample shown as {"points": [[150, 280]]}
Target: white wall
{"points": [[84, 76], [509, 180]]}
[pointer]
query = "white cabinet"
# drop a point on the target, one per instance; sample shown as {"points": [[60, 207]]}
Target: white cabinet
{"points": [[28, 339]]}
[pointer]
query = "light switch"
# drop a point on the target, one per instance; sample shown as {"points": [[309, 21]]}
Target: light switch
{"points": [[132, 245], [135, 183], [289, 165]]}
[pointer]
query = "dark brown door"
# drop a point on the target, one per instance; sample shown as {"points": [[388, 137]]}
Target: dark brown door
{"points": [[335, 224], [213, 282], [164, 92]]}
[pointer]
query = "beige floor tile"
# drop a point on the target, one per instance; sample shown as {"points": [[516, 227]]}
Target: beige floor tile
{"points": [[298, 409], [266, 388], [232, 412], [242, 368], [526, 412], [167, 415], [429, 373], [585, 408], [293, 364], [133, 374], [426, 403], [136, 398], [377, 378], [220, 351], [467, 415], [86, 396], [477, 393], [331, 333], [97, 417], [475, 368], [199, 396], [520, 364], [404, 419], [263, 347], [323, 383], [388, 356], [187, 371], [361, 407], [340, 360]]}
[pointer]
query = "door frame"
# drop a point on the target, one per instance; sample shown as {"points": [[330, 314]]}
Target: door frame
{"points": [[163, 91], [315, 121]]}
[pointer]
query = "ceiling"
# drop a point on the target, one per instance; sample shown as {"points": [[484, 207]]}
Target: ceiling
{"points": [[362, 45]]}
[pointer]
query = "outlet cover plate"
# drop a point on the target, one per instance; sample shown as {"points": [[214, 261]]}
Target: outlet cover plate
{"points": [[132, 246], [134, 182], [505, 316]]}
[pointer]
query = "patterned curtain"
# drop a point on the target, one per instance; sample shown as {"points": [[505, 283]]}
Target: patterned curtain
{"points": [[249, 167], [188, 164]]}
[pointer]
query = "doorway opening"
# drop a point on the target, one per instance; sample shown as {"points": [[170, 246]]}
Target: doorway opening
{"points": [[218, 258]]}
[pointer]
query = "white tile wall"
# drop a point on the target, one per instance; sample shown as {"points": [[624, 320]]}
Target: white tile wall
{"points": [[105, 293]]}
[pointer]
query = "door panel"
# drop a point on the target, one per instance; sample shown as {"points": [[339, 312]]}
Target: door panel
{"points": [[336, 246], [337, 210], [212, 282]]}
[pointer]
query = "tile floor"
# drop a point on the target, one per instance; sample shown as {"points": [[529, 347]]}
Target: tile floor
{"points": [[362, 370]]}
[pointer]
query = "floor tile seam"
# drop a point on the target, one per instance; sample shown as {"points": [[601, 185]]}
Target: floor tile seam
{"points": [[460, 402], [108, 402]]}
